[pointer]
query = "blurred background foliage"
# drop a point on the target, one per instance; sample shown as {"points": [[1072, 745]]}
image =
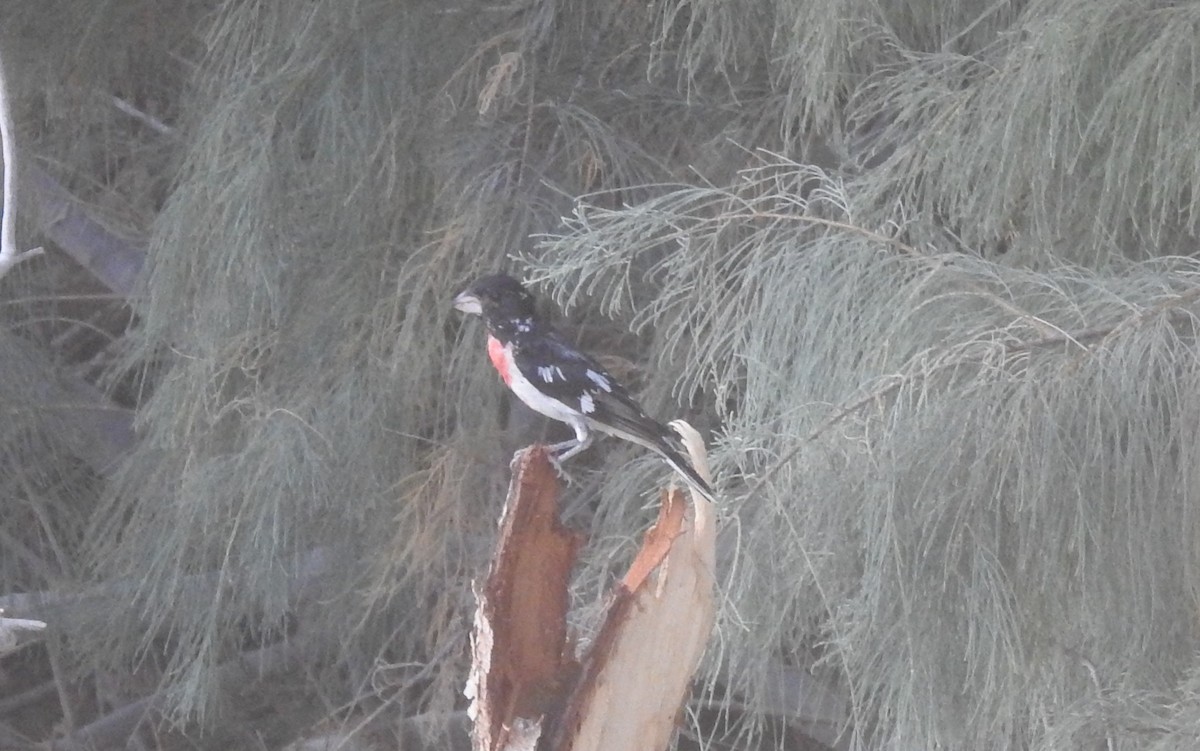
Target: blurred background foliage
{"points": [[925, 272]]}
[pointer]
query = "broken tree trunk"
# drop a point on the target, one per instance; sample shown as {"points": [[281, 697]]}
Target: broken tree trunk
{"points": [[526, 688]]}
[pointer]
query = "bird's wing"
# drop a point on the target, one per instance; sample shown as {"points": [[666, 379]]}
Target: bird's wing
{"points": [[557, 369], [567, 375], [615, 412], [584, 384]]}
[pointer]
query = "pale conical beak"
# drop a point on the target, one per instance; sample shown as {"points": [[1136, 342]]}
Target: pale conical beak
{"points": [[468, 303]]}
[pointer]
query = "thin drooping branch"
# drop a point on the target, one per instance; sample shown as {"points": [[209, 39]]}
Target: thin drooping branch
{"points": [[9, 256], [971, 353]]}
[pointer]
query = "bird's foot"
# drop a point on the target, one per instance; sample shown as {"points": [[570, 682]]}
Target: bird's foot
{"points": [[557, 463]]}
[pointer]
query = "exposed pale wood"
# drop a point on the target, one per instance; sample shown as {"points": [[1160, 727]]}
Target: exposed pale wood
{"points": [[637, 674]]}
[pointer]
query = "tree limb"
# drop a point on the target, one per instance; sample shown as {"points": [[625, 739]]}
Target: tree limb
{"points": [[9, 256]]}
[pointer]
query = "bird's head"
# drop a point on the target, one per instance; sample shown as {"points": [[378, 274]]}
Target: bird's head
{"points": [[496, 298]]}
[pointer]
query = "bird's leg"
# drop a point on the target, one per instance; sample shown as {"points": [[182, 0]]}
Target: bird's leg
{"points": [[583, 439], [554, 448]]}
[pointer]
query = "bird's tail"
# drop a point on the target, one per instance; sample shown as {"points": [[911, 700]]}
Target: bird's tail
{"points": [[685, 470], [646, 432]]}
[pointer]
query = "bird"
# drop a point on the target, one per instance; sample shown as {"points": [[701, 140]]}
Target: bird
{"points": [[554, 378]]}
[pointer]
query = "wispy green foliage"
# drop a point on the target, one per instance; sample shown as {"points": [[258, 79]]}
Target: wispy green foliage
{"points": [[950, 469], [283, 270]]}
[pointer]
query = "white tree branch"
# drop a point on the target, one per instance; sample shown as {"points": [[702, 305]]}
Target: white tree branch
{"points": [[9, 256], [11, 630]]}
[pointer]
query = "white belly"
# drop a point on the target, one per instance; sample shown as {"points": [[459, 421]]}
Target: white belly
{"points": [[536, 400]]}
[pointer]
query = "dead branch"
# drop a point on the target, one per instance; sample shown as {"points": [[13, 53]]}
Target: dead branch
{"points": [[12, 631], [522, 661], [9, 256], [524, 685]]}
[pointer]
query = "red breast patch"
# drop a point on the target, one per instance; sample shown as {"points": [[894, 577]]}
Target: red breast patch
{"points": [[499, 357]]}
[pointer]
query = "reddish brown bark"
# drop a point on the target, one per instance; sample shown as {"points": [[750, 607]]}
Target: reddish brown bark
{"points": [[637, 673], [520, 639]]}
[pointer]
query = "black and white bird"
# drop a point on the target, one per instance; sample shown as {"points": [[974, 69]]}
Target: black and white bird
{"points": [[557, 380]]}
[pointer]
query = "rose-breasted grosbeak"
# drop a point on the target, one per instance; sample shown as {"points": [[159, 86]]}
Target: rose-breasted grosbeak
{"points": [[557, 380]]}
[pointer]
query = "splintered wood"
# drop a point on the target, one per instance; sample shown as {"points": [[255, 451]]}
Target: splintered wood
{"points": [[521, 663], [525, 687]]}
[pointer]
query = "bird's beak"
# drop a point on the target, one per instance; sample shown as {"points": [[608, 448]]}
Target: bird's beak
{"points": [[468, 303]]}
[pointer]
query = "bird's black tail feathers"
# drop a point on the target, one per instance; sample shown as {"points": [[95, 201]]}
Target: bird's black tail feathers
{"points": [[685, 470], [631, 424]]}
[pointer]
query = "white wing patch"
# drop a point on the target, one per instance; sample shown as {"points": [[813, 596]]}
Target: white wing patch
{"points": [[543, 404], [599, 380], [549, 372], [587, 404]]}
